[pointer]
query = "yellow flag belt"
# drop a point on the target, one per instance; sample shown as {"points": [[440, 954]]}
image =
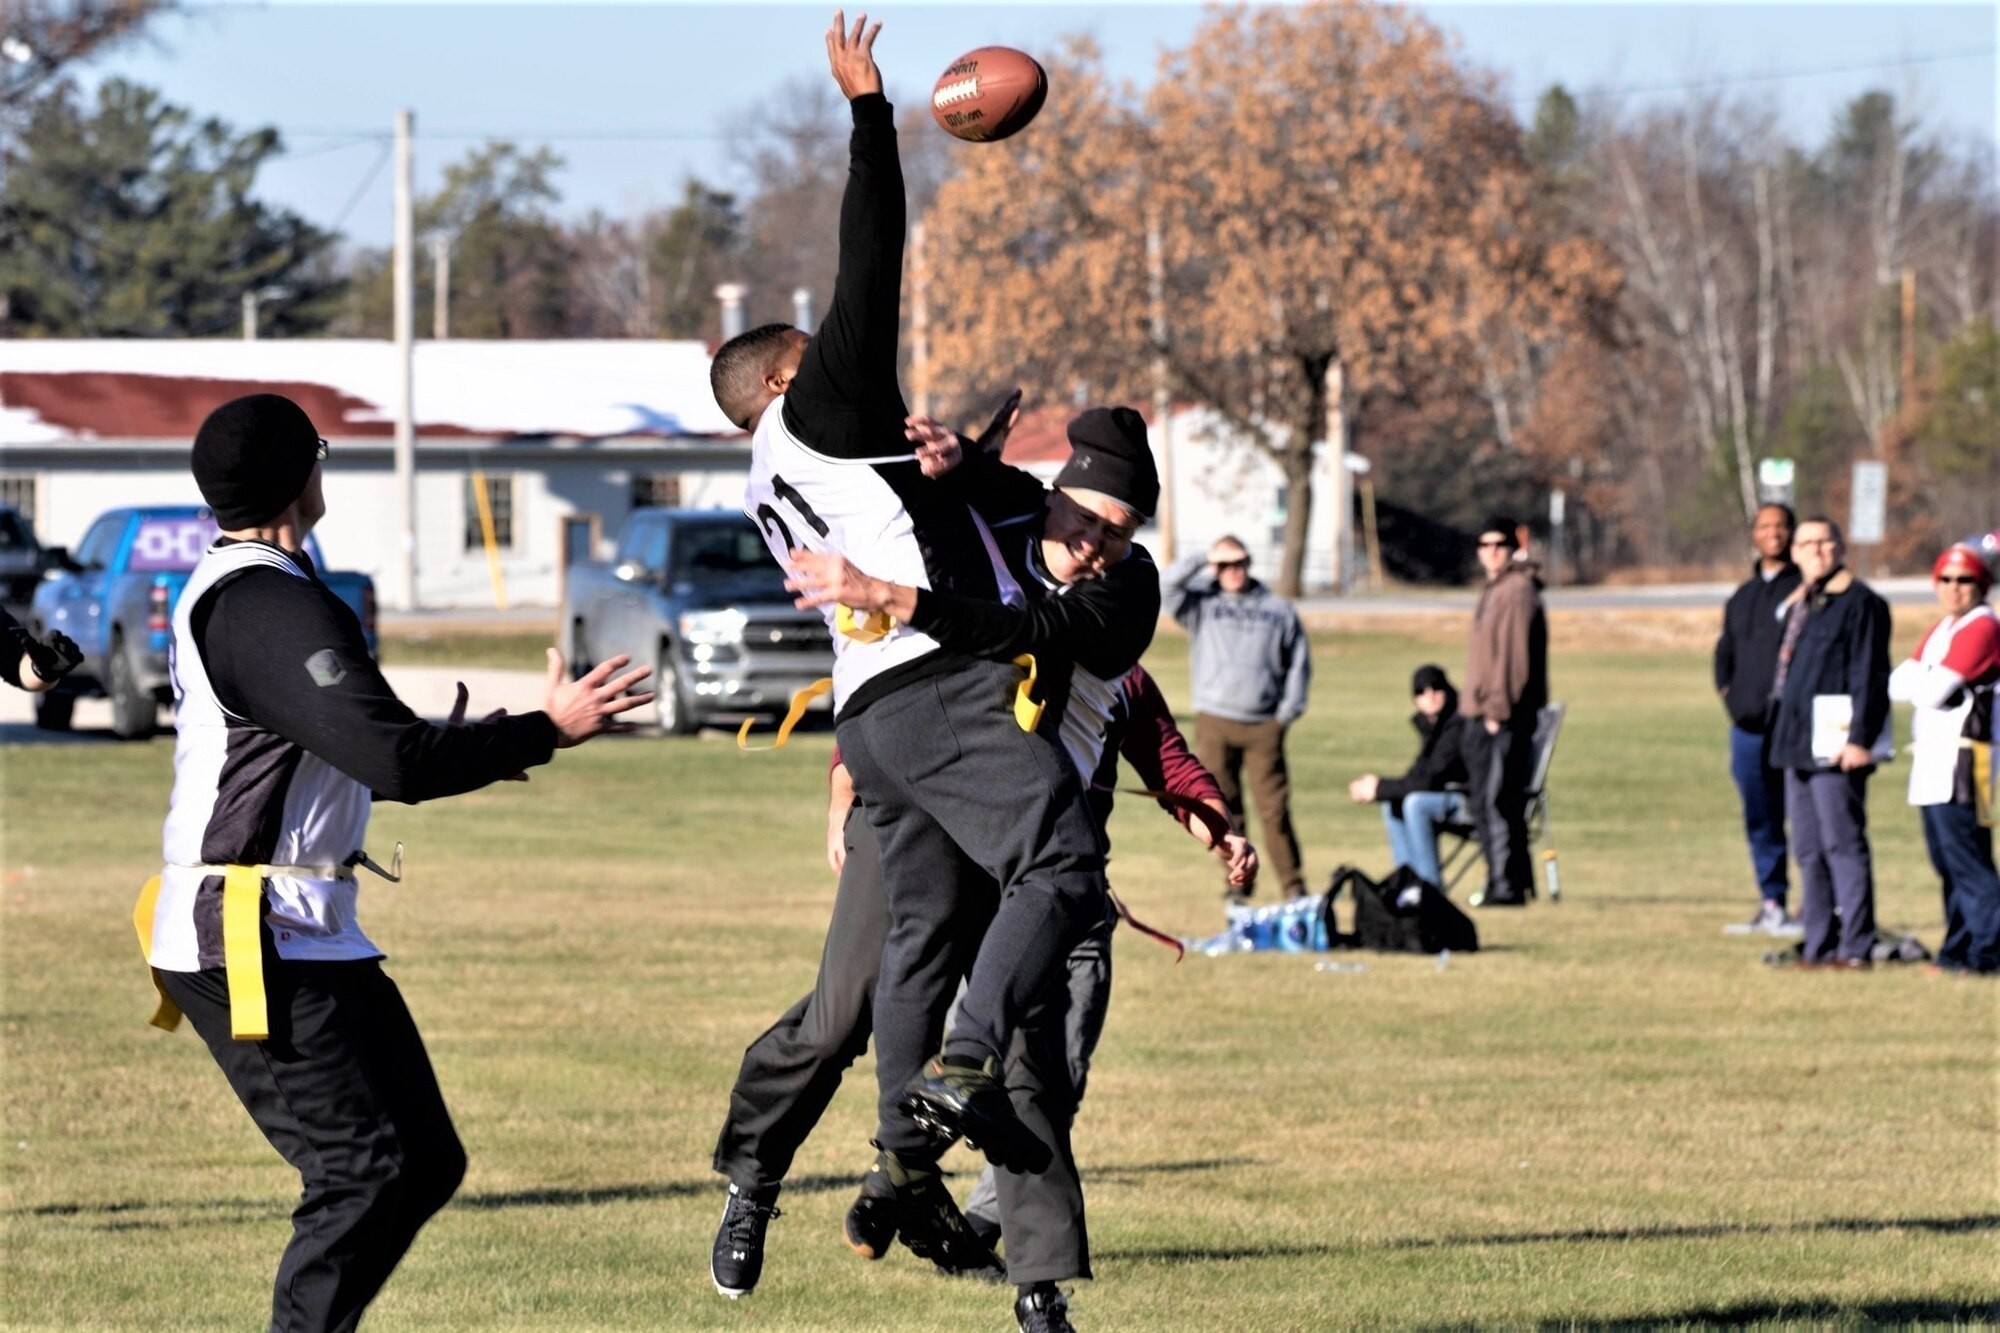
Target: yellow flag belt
{"points": [[242, 935]]}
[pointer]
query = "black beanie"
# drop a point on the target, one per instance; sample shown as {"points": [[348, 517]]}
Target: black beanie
{"points": [[252, 457], [1506, 527], [1109, 454], [1429, 676]]}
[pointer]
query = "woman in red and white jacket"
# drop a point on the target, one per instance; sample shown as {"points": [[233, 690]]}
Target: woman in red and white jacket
{"points": [[1950, 680]]}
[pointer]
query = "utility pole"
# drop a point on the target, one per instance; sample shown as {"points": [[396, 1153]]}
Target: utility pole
{"points": [[403, 264], [1343, 480], [249, 317], [802, 309], [440, 287], [1163, 407], [731, 295], [920, 324], [1909, 336]]}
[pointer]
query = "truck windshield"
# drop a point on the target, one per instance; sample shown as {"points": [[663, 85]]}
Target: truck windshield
{"points": [[13, 532], [719, 550]]}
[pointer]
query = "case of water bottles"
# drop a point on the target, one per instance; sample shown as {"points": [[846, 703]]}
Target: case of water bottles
{"points": [[1294, 926]]}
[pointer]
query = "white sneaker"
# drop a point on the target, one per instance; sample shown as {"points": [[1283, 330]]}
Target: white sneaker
{"points": [[1770, 919]]}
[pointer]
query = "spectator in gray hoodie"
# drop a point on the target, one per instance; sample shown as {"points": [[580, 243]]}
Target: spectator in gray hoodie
{"points": [[1250, 667]]}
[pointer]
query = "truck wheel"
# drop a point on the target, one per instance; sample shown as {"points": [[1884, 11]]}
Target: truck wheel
{"points": [[676, 718], [135, 714], [53, 710]]}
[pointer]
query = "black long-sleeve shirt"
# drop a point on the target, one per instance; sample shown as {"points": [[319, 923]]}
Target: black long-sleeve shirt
{"points": [[845, 401], [290, 656], [1746, 652], [14, 641]]}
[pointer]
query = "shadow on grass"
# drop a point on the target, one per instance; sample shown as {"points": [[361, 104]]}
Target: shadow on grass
{"points": [[128, 1214], [1943, 1226], [1750, 1312]]}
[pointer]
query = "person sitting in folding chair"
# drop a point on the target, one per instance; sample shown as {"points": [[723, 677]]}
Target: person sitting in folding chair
{"points": [[1414, 804]]}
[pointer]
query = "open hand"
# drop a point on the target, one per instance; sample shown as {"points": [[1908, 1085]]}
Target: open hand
{"points": [[588, 707], [823, 578], [938, 447], [852, 56]]}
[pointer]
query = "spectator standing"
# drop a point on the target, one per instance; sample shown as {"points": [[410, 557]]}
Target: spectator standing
{"points": [[1250, 664], [1416, 803], [1950, 679], [1506, 687], [1746, 661], [1832, 692]]}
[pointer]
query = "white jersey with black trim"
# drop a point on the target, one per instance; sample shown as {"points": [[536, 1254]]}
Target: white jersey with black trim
{"points": [[799, 498], [247, 796]]}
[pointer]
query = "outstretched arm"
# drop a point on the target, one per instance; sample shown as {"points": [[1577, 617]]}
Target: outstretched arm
{"points": [[845, 399]]}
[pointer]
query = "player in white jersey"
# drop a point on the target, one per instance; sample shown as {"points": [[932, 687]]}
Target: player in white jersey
{"points": [[286, 734], [930, 735]]}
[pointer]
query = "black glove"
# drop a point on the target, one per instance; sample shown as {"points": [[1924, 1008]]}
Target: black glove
{"points": [[54, 657]]}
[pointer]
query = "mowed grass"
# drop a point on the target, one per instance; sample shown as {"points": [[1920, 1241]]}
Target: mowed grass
{"points": [[1611, 1115]]}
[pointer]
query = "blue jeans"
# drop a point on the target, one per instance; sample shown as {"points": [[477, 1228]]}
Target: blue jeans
{"points": [[1962, 853], [1413, 833], [1763, 793]]}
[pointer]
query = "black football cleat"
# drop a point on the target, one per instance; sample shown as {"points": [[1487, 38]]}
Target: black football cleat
{"points": [[930, 1225], [1042, 1308], [870, 1224], [951, 1099], [737, 1260]]}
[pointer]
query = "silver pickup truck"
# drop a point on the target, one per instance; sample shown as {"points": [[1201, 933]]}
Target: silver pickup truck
{"points": [[695, 593]]}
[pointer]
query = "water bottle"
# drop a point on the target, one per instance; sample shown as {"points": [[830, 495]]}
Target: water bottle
{"points": [[1555, 879]]}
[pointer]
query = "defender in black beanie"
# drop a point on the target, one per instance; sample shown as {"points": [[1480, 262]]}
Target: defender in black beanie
{"points": [[1109, 454], [252, 457]]}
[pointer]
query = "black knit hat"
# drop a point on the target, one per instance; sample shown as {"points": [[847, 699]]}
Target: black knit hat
{"points": [[252, 457], [1506, 527], [1429, 676], [1109, 454]]}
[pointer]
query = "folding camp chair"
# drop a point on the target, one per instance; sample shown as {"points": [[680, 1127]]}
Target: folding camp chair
{"points": [[1462, 853]]}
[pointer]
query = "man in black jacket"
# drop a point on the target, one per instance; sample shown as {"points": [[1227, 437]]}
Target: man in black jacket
{"points": [[1832, 688], [1746, 660], [1416, 803]]}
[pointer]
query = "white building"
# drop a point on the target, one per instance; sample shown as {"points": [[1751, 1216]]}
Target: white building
{"points": [[553, 429]]}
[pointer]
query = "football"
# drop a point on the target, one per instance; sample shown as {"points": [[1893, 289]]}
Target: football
{"points": [[989, 94]]}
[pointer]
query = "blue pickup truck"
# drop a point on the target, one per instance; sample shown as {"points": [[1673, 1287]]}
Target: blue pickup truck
{"points": [[115, 596]]}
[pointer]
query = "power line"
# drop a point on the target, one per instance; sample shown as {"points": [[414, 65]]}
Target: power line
{"points": [[1729, 80], [668, 135], [374, 170]]}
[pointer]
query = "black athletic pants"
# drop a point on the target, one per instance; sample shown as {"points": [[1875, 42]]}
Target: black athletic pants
{"points": [[1501, 766], [344, 1091], [789, 1074], [949, 778]]}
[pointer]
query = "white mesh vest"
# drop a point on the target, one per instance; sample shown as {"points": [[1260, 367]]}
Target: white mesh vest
{"points": [[247, 796], [799, 498]]}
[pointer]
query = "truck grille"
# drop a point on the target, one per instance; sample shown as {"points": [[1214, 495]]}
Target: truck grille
{"points": [[787, 636]]}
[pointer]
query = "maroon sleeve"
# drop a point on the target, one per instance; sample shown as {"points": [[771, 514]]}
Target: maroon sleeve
{"points": [[1157, 751]]}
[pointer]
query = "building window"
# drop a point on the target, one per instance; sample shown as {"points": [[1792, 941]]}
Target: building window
{"points": [[500, 501], [18, 489], [650, 489]]}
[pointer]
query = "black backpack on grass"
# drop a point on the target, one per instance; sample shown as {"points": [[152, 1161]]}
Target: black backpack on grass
{"points": [[1403, 914]]}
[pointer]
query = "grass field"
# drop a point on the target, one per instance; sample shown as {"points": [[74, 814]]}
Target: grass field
{"points": [[1612, 1116]]}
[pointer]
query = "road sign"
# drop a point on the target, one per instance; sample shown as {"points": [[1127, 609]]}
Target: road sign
{"points": [[1774, 481], [1869, 514]]}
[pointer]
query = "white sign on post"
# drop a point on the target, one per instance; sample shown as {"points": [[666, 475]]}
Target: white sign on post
{"points": [[1774, 481], [1868, 516]]}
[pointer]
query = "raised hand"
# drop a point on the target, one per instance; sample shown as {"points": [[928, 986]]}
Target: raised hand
{"points": [[589, 707], [852, 56]]}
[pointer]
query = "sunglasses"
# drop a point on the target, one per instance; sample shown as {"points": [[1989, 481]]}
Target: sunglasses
{"points": [[1233, 564], [319, 453], [1485, 542], [1957, 581]]}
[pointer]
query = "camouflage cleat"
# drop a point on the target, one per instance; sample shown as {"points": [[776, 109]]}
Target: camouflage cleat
{"points": [[950, 1098]]}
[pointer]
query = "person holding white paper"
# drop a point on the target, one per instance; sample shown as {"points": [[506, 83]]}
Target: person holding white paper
{"points": [[1950, 679], [1833, 664]]}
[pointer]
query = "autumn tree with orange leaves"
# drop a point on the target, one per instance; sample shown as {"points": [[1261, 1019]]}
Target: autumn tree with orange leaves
{"points": [[1330, 188]]}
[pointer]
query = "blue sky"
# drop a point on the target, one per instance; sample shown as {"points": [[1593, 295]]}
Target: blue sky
{"points": [[633, 95]]}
